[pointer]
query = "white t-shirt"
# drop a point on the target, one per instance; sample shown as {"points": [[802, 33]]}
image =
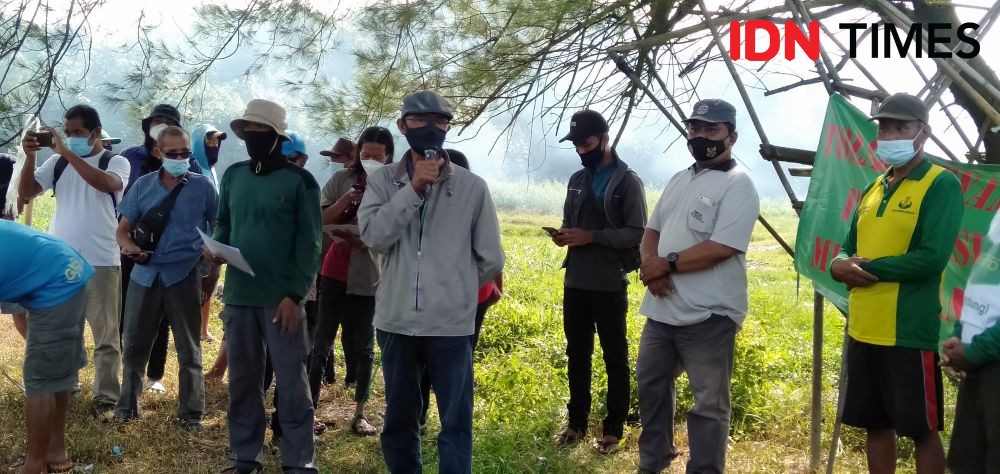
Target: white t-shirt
{"points": [[85, 217], [717, 205]]}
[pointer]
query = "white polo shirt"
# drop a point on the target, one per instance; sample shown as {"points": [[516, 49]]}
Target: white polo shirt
{"points": [[721, 205], [85, 217]]}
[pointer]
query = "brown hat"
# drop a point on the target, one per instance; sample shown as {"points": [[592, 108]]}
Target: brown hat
{"points": [[342, 151]]}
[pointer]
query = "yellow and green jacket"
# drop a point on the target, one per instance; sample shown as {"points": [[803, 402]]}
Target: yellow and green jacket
{"points": [[908, 232]]}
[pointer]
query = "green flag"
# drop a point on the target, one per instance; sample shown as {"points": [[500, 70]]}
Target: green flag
{"points": [[845, 164]]}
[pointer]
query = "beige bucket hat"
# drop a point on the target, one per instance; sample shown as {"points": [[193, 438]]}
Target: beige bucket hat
{"points": [[263, 112]]}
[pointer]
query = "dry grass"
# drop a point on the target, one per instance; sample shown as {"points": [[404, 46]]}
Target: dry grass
{"points": [[520, 382]]}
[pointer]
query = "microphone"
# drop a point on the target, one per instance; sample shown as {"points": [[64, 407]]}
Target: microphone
{"points": [[430, 154]]}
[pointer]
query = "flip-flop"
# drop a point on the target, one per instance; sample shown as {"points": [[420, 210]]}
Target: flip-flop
{"points": [[606, 447]]}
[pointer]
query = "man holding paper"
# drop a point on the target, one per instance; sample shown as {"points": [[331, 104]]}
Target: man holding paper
{"points": [[269, 210]]}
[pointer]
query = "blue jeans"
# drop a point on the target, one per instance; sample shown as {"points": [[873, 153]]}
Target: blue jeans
{"points": [[448, 360]]}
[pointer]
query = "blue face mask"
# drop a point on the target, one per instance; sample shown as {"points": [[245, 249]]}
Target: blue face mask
{"points": [[175, 168], [897, 153], [80, 146]]}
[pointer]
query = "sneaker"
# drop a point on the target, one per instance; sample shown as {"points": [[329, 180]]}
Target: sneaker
{"points": [[192, 426], [155, 386]]}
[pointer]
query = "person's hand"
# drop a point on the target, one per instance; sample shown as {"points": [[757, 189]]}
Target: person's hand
{"points": [[849, 272], [58, 145], [211, 258], [662, 287], [30, 144], [425, 172], [653, 268], [353, 195], [288, 317], [134, 253], [574, 237], [954, 354], [557, 238]]}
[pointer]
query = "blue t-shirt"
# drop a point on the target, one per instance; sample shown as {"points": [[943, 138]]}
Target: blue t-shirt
{"points": [[180, 246], [600, 181], [38, 271]]}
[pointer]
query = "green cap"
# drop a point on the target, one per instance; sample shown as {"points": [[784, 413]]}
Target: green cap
{"points": [[902, 106]]}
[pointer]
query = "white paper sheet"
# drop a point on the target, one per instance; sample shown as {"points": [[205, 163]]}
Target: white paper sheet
{"points": [[231, 255], [350, 228]]}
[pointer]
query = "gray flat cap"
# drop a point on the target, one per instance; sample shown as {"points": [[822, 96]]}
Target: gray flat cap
{"points": [[426, 102]]}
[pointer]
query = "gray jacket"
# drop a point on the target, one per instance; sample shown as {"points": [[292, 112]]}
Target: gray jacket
{"points": [[436, 250]]}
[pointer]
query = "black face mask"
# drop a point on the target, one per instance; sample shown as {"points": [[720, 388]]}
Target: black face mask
{"points": [[425, 138], [212, 155], [591, 158], [264, 149], [704, 149]]}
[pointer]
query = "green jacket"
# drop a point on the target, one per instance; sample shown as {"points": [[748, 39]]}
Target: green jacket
{"points": [[276, 222]]}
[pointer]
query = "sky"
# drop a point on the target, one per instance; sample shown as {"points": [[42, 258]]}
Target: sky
{"points": [[791, 119]]}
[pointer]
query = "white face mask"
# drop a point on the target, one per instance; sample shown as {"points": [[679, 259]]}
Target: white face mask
{"points": [[897, 153], [370, 166]]}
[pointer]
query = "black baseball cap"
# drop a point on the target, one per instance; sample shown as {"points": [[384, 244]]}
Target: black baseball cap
{"points": [[162, 110], [586, 123], [713, 111], [904, 107]]}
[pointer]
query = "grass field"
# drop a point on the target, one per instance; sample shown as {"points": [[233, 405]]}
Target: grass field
{"points": [[520, 380]]}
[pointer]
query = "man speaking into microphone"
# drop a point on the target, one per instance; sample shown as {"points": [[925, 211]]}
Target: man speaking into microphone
{"points": [[436, 230]]}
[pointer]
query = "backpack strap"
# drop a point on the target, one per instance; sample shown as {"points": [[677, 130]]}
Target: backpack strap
{"points": [[57, 171], [102, 165]]}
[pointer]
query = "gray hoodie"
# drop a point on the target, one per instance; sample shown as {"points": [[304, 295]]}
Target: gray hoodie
{"points": [[436, 250]]}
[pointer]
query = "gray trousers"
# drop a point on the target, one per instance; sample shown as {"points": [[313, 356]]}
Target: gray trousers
{"points": [[103, 311], [248, 330], [705, 350], [145, 309]]}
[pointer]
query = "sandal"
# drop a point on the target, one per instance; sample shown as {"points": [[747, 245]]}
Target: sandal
{"points": [[568, 435], [65, 466], [362, 427], [318, 427], [608, 445]]}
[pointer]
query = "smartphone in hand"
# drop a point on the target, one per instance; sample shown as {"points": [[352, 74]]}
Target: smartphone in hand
{"points": [[44, 137], [551, 231]]}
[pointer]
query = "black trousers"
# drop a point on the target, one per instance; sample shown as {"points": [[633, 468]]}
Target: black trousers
{"points": [[158, 356], [584, 312]]}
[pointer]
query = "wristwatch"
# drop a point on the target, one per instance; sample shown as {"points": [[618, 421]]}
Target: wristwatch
{"points": [[672, 258]]}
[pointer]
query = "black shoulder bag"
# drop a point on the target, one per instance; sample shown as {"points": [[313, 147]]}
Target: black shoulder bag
{"points": [[148, 231]]}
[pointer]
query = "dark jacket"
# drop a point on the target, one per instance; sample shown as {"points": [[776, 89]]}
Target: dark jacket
{"points": [[614, 252]]}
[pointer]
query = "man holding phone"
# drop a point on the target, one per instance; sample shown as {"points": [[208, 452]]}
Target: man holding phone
{"points": [[603, 219], [435, 227], [166, 284], [90, 183]]}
